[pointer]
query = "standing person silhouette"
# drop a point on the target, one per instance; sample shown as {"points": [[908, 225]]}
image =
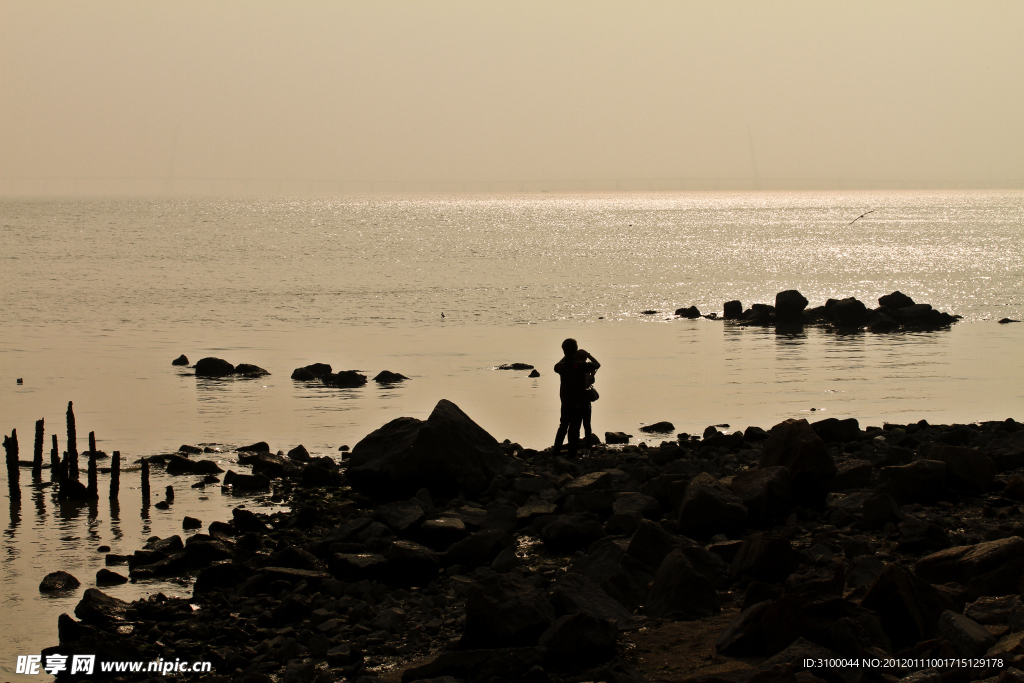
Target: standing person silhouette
{"points": [[573, 369]]}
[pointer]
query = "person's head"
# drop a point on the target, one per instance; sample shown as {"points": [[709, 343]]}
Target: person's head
{"points": [[570, 347]]}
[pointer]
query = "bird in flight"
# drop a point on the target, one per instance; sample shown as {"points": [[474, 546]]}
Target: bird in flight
{"points": [[861, 216]]}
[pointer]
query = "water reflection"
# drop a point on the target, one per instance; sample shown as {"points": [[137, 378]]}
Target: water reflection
{"points": [[115, 519], [38, 497], [15, 516]]}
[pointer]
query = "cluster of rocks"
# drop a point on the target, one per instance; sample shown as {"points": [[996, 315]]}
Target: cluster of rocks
{"points": [[218, 367], [895, 311], [344, 379], [456, 558]]}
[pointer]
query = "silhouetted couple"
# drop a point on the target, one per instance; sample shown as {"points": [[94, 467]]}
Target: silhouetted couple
{"points": [[577, 370]]}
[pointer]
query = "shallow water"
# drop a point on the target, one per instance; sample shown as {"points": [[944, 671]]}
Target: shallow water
{"points": [[97, 297]]}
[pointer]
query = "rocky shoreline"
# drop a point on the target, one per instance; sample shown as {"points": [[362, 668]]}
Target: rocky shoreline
{"points": [[435, 553]]}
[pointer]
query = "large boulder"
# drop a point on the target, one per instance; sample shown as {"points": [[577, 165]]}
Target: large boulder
{"points": [[311, 372], [895, 300], [922, 481], [214, 367], [710, 508], [795, 445], [908, 607], [989, 568], [505, 610], [447, 453], [966, 468], [345, 379], [765, 492], [789, 306], [849, 312], [680, 591]]}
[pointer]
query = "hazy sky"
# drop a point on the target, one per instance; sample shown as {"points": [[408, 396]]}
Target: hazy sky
{"points": [[303, 96]]}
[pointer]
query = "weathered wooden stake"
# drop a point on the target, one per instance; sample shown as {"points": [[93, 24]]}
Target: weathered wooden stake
{"points": [[93, 483], [54, 460], [169, 491], [145, 482], [72, 445], [63, 477], [37, 454], [92, 441], [115, 474], [13, 467]]}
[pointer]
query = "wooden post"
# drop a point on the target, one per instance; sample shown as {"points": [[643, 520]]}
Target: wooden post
{"points": [[92, 441], [72, 445], [63, 477], [37, 454], [93, 483], [145, 482], [54, 460], [115, 474], [169, 494], [13, 466]]}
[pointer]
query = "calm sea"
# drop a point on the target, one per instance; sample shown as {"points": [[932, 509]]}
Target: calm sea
{"points": [[98, 296]]}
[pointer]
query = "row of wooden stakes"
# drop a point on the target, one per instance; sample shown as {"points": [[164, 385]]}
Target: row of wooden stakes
{"points": [[65, 472]]}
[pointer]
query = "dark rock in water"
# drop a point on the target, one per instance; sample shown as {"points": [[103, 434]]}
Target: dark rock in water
{"points": [[248, 370], [99, 609], [179, 465], [789, 306], [612, 438], [505, 610], [259, 447], [387, 377], [895, 300], [246, 482], [299, 453], [658, 428], [58, 581], [534, 373], [311, 372], [691, 312], [515, 366], [191, 523], [180, 360], [105, 577], [680, 591], [733, 310], [849, 312], [581, 639], [214, 367], [648, 312], [446, 453], [1008, 320], [346, 379], [193, 450]]}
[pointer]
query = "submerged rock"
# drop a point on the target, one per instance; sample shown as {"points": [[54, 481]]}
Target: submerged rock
{"points": [[387, 377], [214, 367], [58, 581], [180, 360]]}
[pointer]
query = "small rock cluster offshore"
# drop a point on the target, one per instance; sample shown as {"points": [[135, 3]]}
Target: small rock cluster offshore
{"points": [[895, 311], [436, 551]]}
